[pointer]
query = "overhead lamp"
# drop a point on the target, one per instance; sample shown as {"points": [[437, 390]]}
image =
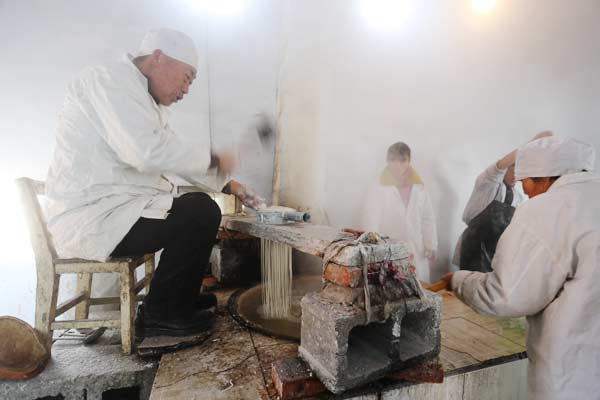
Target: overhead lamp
{"points": [[385, 14], [483, 6]]}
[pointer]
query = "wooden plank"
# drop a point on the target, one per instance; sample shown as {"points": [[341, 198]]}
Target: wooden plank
{"points": [[88, 323], [88, 267], [513, 329], [463, 336], [84, 286], [127, 280], [454, 308], [68, 304], [96, 301], [139, 285], [117, 264], [314, 239], [452, 359]]}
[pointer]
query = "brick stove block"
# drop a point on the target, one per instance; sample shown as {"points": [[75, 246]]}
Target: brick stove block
{"points": [[345, 352]]}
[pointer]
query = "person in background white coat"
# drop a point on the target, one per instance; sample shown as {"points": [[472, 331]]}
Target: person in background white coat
{"points": [[105, 185], [398, 206], [546, 267], [495, 183]]}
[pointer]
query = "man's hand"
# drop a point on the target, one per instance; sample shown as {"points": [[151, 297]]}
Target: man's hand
{"points": [[247, 196]]}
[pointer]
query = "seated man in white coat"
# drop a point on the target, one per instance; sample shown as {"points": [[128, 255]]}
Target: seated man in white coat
{"points": [[546, 268], [107, 195]]}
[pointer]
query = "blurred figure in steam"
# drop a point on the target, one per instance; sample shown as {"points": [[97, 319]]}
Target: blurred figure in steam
{"points": [[488, 212], [399, 206]]}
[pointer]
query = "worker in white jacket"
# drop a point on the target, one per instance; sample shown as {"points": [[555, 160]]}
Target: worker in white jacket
{"points": [[398, 206], [546, 268], [105, 186], [487, 221]]}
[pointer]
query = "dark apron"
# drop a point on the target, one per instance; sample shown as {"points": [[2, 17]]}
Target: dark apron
{"points": [[479, 240]]}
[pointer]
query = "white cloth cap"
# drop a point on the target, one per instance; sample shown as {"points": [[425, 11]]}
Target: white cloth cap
{"points": [[553, 156], [173, 43]]}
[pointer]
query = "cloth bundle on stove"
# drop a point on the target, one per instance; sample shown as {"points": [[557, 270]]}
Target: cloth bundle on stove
{"points": [[386, 283]]}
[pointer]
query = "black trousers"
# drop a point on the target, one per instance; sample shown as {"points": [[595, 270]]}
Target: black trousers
{"points": [[186, 237]]}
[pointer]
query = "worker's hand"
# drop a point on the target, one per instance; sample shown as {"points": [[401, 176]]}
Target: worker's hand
{"points": [[542, 135], [247, 196], [448, 279]]}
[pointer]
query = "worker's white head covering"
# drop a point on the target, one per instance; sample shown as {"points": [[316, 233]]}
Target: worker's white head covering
{"points": [[173, 43], [553, 156]]}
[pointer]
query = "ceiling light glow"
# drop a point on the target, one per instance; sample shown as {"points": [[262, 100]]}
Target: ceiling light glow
{"points": [[385, 14], [220, 7], [483, 6]]}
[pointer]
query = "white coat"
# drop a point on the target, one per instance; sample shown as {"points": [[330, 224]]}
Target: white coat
{"points": [[488, 187], [385, 212], [546, 268], [113, 143]]}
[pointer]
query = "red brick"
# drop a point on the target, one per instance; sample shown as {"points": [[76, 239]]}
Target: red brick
{"points": [[342, 275], [294, 380], [431, 372]]}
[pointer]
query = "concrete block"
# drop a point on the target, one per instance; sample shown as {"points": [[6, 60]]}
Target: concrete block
{"points": [[345, 295], [78, 372], [345, 352]]}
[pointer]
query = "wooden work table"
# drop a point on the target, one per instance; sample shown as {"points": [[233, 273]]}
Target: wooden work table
{"points": [[482, 358], [314, 239]]}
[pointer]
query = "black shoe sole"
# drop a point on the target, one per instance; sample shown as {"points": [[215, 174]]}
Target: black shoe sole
{"points": [[157, 330]]}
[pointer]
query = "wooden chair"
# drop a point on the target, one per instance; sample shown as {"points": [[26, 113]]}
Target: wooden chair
{"points": [[49, 268]]}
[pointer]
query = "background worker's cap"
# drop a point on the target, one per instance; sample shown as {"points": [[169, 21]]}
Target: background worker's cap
{"points": [[553, 156]]}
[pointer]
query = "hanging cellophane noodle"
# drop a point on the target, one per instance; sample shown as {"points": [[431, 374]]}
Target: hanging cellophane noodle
{"points": [[276, 266]]}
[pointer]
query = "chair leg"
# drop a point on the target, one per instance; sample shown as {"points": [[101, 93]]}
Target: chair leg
{"points": [[84, 285], [45, 305], [127, 310], [149, 265]]}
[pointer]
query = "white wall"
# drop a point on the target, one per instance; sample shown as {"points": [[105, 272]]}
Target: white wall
{"points": [[45, 44], [461, 89]]}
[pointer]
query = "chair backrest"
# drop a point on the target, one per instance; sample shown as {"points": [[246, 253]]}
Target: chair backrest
{"points": [[41, 240]]}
